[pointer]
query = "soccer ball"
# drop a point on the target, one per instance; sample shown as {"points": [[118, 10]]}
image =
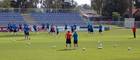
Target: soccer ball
{"points": [[100, 47], [84, 49], [129, 48]]}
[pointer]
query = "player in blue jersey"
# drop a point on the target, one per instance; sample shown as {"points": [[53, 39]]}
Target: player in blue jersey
{"points": [[9, 27], [66, 27], [75, 27], [35, 28], [90, 28], [26, 31], [20, 27], [48, 27], [75, 39], [43, 26], [100, 28], [57, 30], [15, 29]]}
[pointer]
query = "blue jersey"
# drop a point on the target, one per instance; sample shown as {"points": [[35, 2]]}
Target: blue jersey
{"points": [[75, 36], [47, 26], [9, 26], [75, 26], [26, 28], [14, 27], [66, 27], [100, 27], [34, 26], [88, 26]]}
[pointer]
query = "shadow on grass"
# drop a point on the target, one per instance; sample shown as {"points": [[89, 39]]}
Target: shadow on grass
{"points": [[21, 40], [131, 38], [66, 50], [3, 36]]}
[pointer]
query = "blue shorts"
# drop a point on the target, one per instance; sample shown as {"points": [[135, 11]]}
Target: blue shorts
{"points": [[26, 33], [75, 41], [15, 30]]}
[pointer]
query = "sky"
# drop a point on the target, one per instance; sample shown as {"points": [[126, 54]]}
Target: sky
{"points": [[80, 2]]}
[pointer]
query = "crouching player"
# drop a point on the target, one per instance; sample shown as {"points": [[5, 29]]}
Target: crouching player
{"points": [[26, 32], [75, 39], [68, 39]]}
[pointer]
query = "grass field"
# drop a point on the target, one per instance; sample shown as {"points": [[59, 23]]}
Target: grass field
{"points": [[43, 46]]}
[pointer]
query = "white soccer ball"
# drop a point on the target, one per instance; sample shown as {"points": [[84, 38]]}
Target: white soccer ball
{"points": [[129, 48], [100, 47], [84, 49]]}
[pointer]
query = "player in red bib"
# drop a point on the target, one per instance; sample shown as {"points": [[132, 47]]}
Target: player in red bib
{"points": [[68, 39]]}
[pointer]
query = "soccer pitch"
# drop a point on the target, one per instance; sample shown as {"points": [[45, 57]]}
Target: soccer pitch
{"points": [[118, 44]]}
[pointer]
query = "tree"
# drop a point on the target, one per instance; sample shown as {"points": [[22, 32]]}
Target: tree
{"points": [[98, 6], [85, 6], [119, 6], [5, 4]]}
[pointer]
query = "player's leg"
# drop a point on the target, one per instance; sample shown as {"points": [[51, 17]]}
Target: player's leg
{"points": [[25, 34], [15, 32], [28, 36], [134, 34], [75, 43], [70, 43], [66, 43]]}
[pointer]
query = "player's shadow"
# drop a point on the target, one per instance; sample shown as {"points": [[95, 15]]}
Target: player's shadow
{"points": [[131, 38], [66, 50], [21, 40]]}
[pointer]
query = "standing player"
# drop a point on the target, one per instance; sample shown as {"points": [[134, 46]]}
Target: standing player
{"points": [[75, 38], [75, 27], [15, 29], [134, 30], [100, 29], [9, 27], [20, 27], [68, 39], [48, 26], [52, 30], [26, 32], [90, 28], [35, 28], [43, 26], [66, 27], [72, 28], [57, 30]]}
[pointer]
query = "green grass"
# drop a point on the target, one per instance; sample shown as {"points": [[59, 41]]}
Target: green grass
{"points": [[42, 46]]}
